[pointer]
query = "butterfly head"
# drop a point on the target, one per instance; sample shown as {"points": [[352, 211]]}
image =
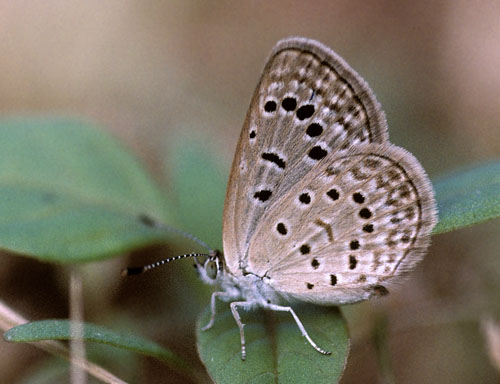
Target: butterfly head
{"points": [[210, 267]]}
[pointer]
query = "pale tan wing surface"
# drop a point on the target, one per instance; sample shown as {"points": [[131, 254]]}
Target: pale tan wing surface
{"points": [[308, 103], [354, 223]]}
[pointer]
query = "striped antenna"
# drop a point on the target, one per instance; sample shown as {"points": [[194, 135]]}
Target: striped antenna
{"points": [[138, 270]]}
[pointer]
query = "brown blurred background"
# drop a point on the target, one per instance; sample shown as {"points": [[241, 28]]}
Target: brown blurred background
{"points": [[149, 70]]}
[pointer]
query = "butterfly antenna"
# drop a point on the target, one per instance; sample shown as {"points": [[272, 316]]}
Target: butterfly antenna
{"points": [[138, 270], [149, 221]]}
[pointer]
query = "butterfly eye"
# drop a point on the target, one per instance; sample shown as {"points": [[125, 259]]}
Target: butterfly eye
{"points": [[211, 269]]}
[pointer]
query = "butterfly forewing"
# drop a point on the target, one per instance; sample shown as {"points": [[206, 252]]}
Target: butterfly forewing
{"points": [[351, 225], [308, 104]]}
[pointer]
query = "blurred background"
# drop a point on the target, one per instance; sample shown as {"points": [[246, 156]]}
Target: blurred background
{"points": [[159, 73]]}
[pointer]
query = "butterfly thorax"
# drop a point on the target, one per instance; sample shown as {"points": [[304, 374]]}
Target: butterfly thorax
{"points": [[250, 288], [246, 287]]}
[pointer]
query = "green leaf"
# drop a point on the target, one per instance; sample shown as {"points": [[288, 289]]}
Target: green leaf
{"points": [[276, 351], [69, 192], [199, 186], [467, 197], [60, 330]]}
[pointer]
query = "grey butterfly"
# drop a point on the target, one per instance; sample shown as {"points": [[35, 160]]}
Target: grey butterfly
{"points": [[320, 206]]}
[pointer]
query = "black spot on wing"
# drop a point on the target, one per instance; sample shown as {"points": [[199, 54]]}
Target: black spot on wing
{"points": [[263, 195], [274, 158]]}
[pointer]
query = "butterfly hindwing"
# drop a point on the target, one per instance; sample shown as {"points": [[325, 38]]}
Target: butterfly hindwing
{"points": [[351, 225]]}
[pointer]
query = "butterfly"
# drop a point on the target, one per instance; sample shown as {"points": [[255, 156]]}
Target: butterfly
{"points": [[320, 206]]}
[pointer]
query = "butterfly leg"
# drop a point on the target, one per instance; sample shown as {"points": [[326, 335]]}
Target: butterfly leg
{"points": [[222, 296], [280, 308], [237, 318]]}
